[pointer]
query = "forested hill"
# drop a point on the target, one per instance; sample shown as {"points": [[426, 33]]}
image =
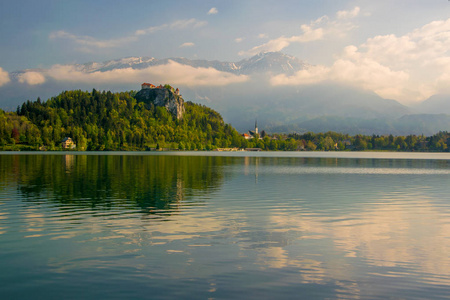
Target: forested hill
{"points": [[113, 121]]}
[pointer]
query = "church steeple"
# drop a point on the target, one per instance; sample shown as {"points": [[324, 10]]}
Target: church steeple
{"points": [[256, 126]]}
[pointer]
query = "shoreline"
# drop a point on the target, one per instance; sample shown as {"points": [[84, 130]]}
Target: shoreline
{"points": [[253, 154]]}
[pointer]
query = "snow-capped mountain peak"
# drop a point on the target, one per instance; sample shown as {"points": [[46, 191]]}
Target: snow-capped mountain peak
{"points": [[272, 62]]}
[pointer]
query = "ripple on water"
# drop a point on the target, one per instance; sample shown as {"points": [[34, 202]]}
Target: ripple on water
{"points": [[213, 228]]}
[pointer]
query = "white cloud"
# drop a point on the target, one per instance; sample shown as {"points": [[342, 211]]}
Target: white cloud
{"points": [[348, 14], [187, 44], [262, 36], [316, 30], [423, 54], [182, 24], [406, 68], [238, 40], [278, 44], [32, 78], [172, 72], [88, 43], [371, 75], [152, 29], [353, 70], [308, 76], [176, 25], [4, 77], [213, 11]]}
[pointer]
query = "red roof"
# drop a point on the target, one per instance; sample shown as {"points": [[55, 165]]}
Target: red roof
{"points": [[147, 84]]}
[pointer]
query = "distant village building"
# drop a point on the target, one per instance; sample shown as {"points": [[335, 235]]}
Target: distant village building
{"points": [[67, 143], [251, 134], [348, 144]]}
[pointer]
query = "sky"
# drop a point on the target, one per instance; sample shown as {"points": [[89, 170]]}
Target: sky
{"points": [[398, 49]]}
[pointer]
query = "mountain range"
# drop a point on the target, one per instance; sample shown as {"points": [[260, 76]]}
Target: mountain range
{"points": [[315, 107], [274, 62]]}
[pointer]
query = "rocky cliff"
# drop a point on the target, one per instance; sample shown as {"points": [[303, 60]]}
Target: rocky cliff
{"points": [[163, 96]]}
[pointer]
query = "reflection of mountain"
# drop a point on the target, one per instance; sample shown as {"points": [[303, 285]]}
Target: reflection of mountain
{"points": [[149, 182]]}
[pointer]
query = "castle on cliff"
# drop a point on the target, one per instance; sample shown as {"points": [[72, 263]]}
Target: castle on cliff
{"points": [[162, 96], [146, 85]]}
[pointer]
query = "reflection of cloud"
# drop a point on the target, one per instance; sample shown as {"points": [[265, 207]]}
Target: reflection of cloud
{"points": [[186, 227], [311, 271], [3, 216], [385, 236], [34, 222]]}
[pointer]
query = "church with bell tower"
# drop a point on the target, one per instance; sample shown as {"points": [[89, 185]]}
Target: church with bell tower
{"points": [[251, 133]]}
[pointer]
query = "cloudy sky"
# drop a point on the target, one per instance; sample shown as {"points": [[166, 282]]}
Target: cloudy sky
{"points": [[397, 49]]}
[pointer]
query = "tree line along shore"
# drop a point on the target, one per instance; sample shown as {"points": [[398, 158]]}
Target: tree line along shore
{"points": [[106, 121]]}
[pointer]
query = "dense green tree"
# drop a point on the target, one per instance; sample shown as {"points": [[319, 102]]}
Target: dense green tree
{"points": [[117, 121]]}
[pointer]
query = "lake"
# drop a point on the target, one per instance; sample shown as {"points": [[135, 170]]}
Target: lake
{"points": [[217, 225]]}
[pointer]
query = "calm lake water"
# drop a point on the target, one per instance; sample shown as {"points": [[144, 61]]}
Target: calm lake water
{"points": [[198, 225]]}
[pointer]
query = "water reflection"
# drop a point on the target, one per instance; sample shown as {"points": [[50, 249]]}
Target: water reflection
{"points": [[390, 216], [102, 181], [215, 226]]}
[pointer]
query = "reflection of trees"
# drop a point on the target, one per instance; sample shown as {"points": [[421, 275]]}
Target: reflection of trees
{"points": [[147, 181]]}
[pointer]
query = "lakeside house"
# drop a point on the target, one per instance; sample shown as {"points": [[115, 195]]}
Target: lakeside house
{"points": [[67, 143]]}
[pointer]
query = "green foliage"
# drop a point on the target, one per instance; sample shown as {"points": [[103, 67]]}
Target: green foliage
{"points": [[336, 141], [114, 121], [92, 180], [169, 87]]}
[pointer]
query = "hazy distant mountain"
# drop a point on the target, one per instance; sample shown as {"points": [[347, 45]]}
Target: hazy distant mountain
{"points": [[426, 124], [278, 106], [273, 62], [321, 107], [436, 104]]}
